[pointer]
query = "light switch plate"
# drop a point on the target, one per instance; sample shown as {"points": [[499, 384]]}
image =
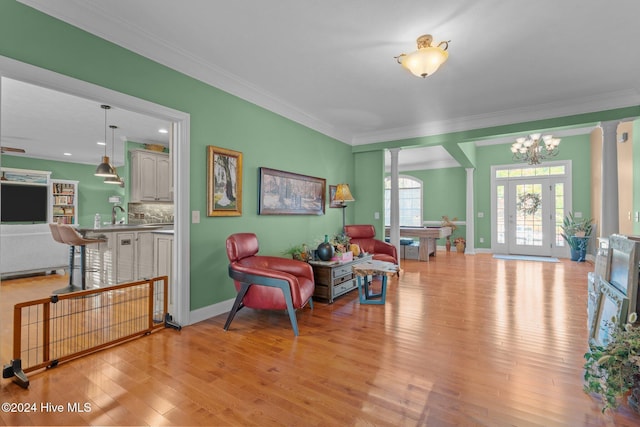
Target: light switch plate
{"points": [[195, 217], [376, 215]]}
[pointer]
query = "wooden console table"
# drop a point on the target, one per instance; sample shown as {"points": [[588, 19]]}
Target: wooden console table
{"points": [[335, 278], [427, 235]]}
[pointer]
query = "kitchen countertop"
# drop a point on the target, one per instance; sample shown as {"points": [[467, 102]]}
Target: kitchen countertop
{"points": [[119, 227], [169, 232]]}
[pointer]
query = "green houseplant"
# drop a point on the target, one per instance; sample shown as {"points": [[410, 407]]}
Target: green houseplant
{"points": [[300, 252], [614, 369], [576, 232]]}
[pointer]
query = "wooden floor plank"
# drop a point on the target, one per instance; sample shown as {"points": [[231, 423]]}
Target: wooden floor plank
{"points": [[462, 340]]}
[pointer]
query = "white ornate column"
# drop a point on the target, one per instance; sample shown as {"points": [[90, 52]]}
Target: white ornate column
{"points": [[609, 206], [394, 220], [470, 234]]}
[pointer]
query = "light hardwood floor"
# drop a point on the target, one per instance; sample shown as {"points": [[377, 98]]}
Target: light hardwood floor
{"points": [[462, 340]]}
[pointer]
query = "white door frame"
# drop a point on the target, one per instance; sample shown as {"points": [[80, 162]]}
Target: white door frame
{"points": [[21, 71], [500, 244]]}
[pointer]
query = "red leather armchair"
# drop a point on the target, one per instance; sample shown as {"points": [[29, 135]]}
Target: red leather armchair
{"points": [[364, 236], [267, 282]]}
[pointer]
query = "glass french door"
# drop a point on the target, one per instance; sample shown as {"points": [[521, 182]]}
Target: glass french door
{"points": [[529, 214], [529, 205]]}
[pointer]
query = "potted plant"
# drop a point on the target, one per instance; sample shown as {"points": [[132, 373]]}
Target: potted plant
{"points": [[614, 369], [576, 232], [446, 222], [300, 252], [460, 243]]}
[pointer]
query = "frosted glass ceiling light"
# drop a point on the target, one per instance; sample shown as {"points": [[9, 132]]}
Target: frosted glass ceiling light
{"points": [[427, 59]]}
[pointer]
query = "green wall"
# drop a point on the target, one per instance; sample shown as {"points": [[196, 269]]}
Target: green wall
{"points": [[368, 190], [444, 193], [266, 139], [445, 189], [574, 148], [217, 118], [93, 193]]}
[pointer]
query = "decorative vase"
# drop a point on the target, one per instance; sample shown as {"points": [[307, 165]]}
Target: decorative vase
{"points": [[325, 249], [460, 247], [448, 244]]}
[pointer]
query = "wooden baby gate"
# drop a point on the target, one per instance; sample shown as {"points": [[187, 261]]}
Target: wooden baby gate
{"points": [[63, 327]]}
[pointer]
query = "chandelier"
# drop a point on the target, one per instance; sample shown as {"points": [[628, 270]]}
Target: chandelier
{"points": [[427, 59], [535, 148]]}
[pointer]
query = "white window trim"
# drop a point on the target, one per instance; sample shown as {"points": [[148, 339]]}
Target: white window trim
{"points": [[568, 200], [412, 178]]}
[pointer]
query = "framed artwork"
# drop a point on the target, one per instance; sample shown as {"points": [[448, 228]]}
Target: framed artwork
{"points": [[286, 193], [602, 269], [224, 182], [611, 302], [332, 197], [623, 267]]}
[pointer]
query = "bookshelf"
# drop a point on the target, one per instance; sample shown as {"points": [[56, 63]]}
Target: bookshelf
{"points": [[64, 201]]}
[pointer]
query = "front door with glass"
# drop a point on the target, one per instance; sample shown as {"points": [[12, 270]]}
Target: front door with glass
{"points": [[529, 204]]}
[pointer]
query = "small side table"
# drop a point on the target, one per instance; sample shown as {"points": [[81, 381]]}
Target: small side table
{"points": [[364, 272]]}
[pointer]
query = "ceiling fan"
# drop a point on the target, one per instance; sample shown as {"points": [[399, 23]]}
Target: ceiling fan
{"points": [[11, 150]]}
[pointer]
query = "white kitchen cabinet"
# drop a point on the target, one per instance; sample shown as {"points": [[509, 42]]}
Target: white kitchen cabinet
{"points": [[134, 255], [150, 177], [144, 254], [163, 261], [125, 252]]}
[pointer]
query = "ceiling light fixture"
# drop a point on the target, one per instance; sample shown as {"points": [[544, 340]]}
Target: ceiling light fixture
{"points": [[113, 179], [535, 148], [104, 168], [427, 59]]}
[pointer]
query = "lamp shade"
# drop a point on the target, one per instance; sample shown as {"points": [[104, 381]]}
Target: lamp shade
{"points": [[343, 194], [113, 179], [105, 169], [424, 62]]}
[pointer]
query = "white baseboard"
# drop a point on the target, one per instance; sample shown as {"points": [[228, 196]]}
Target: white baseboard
{"points": [[210, 311]]}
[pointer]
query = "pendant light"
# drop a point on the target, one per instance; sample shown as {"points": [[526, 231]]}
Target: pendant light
{"points": [[104, 168], [113, 179]]}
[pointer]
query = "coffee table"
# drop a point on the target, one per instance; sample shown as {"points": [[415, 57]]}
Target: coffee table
{"points": [[365, 271]]}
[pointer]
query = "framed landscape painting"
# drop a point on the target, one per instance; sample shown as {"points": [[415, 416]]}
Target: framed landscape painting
{"points": [[286, 193], [224, 182]]}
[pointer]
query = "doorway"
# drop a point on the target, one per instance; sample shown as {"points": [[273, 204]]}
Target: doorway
{"points": [[528, 206], [21, 71]]}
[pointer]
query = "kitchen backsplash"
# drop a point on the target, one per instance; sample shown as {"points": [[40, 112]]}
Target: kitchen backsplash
{"points": [[150, 213]]}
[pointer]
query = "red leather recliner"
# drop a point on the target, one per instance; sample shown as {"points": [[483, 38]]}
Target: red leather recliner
{"points": [[364, 236], [267, 282]]}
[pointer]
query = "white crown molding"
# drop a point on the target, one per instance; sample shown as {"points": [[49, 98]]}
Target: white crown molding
{"points": [[608, 101], [132, 38], [561, 133], [76, 13]]}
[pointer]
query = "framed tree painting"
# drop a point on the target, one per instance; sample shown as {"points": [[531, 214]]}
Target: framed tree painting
{"points": [[287, 193], [224, 182]]}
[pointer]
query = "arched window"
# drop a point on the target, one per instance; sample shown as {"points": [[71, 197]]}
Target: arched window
{"points": [[410, 200]]}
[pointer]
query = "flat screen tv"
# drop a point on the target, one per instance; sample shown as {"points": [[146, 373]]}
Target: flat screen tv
{"points": [[23, 203]]}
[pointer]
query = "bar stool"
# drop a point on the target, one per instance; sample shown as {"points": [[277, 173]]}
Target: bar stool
{"points": [[55, 233], [73, 238]]}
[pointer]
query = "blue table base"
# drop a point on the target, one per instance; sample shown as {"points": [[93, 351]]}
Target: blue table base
{"points": [[366, 296]]}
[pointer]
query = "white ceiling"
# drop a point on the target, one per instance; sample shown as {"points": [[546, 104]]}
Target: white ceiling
{"points": [[330, 64], [47, 123]]}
